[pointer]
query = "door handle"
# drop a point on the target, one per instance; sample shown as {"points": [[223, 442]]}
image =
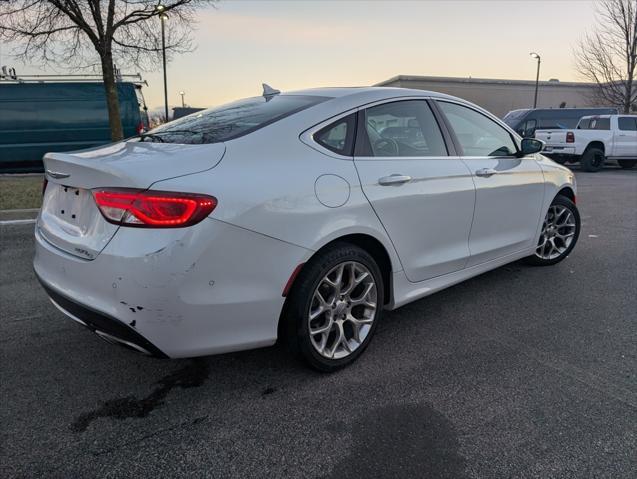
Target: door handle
{"points": [[486, 172], [394, 180]]}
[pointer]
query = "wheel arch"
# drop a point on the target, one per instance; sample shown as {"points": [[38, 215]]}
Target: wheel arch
{"points": [[568, 192], [596, 144], [369, 243]]}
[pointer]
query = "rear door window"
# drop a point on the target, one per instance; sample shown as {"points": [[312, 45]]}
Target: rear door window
{"points": [[627, 123], [232, 120], [400, 129]]}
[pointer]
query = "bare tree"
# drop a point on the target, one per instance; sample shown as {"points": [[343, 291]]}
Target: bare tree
{"points": [[608, 56], [95, 34]]}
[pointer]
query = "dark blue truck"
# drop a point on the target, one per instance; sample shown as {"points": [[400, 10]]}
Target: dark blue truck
{"points": [[41, 116], [527, 120]]}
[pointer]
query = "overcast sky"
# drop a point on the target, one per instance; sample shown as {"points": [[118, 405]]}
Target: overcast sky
{"points": [[303, 43]]}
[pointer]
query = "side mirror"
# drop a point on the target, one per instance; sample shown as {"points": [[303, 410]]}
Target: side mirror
{"points": [[530, 146]]}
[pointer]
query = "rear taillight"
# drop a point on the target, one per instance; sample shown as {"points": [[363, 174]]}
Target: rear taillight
{"points": [[140, 128], [152, 209], [570, 137]]}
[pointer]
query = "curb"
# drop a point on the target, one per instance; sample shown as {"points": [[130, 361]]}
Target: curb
{"points": [[19, 216]]}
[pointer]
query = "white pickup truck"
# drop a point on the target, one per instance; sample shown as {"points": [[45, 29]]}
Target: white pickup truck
{"points": [[593, 141]]}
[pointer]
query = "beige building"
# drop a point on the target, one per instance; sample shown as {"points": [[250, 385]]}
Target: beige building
{"points": [[502, 96]]}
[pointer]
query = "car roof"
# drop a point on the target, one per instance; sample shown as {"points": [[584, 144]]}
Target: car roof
{"points": [[366, 91], [342, 100]]}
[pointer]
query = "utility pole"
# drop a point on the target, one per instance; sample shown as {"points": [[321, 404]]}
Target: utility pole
{"points": [[537, 77], [163, 17]]}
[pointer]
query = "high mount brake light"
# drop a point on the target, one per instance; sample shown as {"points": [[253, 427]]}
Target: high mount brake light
{"points": [[152, 209]]}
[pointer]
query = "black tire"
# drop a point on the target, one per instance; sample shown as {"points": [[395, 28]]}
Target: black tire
{"points": [[297, 309], [593, 160], [627, 164], [536, 260]]}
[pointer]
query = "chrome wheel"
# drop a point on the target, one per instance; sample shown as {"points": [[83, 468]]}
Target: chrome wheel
{"points": [[558, 231], [343, 309]]}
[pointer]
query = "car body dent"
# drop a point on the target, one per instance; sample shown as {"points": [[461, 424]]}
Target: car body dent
{"points": [[173, 276]]}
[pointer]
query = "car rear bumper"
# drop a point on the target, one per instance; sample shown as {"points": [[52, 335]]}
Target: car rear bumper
{"points": [[182, 292], [108, 328], [558, 150]]}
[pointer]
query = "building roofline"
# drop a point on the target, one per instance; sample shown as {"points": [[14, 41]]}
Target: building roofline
{"points": [[498, 81]]}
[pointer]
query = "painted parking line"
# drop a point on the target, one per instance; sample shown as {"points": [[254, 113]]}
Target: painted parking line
{"points": [[21, 210], [17, 222]]}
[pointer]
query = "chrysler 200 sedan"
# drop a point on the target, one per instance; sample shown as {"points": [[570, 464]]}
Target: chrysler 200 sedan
{"points": [[296, 216]]}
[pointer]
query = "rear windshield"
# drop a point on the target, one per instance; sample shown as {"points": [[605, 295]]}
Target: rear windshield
{"points": [[232, 120], [557, 123]]}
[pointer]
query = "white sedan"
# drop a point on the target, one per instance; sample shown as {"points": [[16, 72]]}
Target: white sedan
{"points": [[296, 216]]}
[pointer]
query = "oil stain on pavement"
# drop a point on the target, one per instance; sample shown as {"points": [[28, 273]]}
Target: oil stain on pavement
{"points": [[192, 375], [402, 441]]}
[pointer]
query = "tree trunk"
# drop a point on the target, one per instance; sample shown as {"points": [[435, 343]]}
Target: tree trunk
{"points": [[112, 98], [630, 85]]}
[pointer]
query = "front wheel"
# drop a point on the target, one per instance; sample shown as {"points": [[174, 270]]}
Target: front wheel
{"points": [[560, 231], [334, 307], [627, 164]]}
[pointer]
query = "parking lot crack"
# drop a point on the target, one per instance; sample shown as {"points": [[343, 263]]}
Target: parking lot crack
{"points": [[181, 425]]}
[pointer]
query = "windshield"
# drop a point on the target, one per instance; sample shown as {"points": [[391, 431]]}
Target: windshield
{"points": [[232, 120]]}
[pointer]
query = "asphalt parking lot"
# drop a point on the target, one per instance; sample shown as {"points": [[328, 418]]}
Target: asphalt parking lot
{"points": [[520, 372]]}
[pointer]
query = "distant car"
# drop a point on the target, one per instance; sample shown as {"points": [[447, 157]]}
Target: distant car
{"points": [[525, 121], [298, 216], [41, 117], [596, 139]]}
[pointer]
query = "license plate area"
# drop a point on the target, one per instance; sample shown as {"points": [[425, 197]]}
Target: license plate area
{"points": [[70, 220], [70, 203]]}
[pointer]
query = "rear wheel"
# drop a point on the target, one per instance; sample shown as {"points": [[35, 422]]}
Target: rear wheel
{"points": [[560, 231], [627, 164], [593, 159], [334, 307]]}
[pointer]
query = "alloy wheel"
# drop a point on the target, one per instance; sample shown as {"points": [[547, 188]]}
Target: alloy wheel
{"points": [[342, 310], [558, 231]]}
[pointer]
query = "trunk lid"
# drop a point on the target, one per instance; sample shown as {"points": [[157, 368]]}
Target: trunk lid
{"points": [[69, 218]]}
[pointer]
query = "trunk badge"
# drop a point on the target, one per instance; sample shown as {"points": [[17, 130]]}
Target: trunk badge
{"points": [[57, 174]]}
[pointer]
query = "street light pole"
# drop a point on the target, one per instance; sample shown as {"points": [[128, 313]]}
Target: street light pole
{"points": [[162, 18], [537, 77], [183, 104]]}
